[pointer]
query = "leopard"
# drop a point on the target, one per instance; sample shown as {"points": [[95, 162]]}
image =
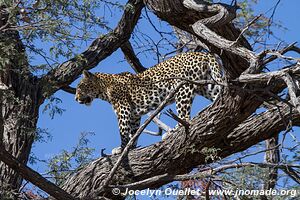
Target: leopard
{"points": [[134, 95]]}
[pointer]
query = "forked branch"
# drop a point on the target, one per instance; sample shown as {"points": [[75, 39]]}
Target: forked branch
{"points": [[102, 47]]}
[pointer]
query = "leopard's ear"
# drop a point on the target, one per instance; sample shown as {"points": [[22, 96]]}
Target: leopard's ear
{"points": [[87, 74]]}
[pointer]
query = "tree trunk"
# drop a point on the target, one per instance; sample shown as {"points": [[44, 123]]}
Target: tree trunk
{"points": [[272, 156], [19, 114], [19, 105]]}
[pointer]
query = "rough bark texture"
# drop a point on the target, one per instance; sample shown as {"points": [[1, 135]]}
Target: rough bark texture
{"points": [[19, 109], [19, 128], [180, 152], [272, 156]]}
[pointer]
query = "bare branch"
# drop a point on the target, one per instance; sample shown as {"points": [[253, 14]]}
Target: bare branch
{"points": [[152, 133], [69, 89], [245, 29], [160, 124], [171, 114], [291, 47], [296, 49], [292, 90], [292, 173], [131, 57], [278, 55], [254, 153], [225, 13], [189, 41], [272, 156], [202, 31], [272, 16], [269, 76]]}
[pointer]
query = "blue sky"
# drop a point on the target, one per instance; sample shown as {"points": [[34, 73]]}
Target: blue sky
{"points": [[100, 118]]}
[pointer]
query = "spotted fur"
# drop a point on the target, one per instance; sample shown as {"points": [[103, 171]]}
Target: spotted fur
{"points": [[135, 95]]}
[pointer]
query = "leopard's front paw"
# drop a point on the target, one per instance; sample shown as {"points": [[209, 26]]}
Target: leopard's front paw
{"points": [[117, 150]]}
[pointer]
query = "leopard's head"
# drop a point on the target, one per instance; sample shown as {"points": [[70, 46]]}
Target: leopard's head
{"points": [[86, 90]]}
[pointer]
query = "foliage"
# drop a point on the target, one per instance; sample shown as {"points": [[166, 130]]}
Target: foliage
{"points": [[11, 54], [68, 162], [210, 153], [52, 108], [261, 28], [60, 26]]}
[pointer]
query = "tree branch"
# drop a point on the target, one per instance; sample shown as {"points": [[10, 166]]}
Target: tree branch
{"points": [[180, 152], [159, 133], [189, 41], [268, 77], [292, 173], [292, 90], [245, 29], [200, 175], [291, 47], [273, 157], [34, 177], [100, 48], [160, 124], [131, 58], [184, 17], [203, 31], [69, 89], [224, 13]]}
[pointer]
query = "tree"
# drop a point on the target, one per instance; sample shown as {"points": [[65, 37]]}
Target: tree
{"points": [[226, 127]]}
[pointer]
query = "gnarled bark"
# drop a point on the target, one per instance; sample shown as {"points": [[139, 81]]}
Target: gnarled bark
{"points": [[182, 151], [19, 105], [177, 14], [19, 114], [272, 156]]}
